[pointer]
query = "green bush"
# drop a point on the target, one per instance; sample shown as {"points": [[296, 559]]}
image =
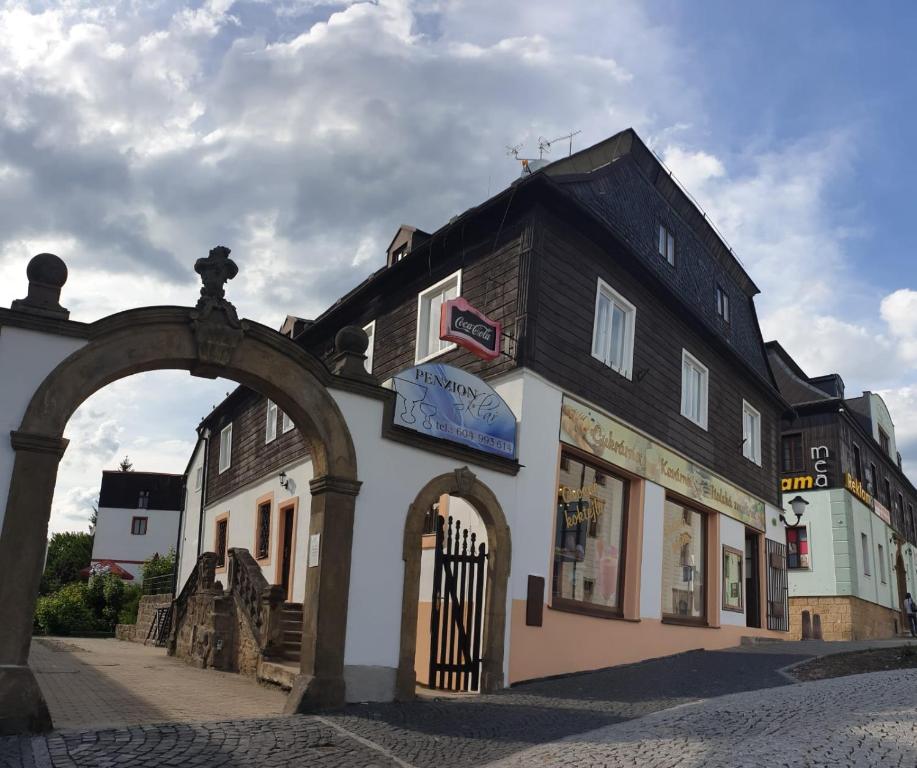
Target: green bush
{"points": [[130, 604], [159, 565], [65, 612]]}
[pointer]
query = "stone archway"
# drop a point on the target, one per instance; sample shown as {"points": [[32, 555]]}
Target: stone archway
{"points": [[208, 340], [463, 483]]}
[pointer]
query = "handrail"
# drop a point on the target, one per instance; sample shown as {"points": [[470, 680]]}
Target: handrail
{"points": [[247, 583]]}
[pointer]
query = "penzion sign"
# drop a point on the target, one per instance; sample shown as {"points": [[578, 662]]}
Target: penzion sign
{"points": [[466, 326], [447, 403]]}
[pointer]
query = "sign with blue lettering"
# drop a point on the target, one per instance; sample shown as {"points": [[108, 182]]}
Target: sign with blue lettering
{"points": [[448, 403]]}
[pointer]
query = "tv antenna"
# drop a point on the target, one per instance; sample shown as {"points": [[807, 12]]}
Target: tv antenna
{"points": [[544, 145]]}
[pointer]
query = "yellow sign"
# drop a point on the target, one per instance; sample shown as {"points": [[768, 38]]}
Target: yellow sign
{"points": [[856, 488], [581, 504], [803, 483], [609, 439]]}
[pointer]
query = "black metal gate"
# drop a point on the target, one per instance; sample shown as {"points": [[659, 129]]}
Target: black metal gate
{"points": [[777, 598], [460, 564]]}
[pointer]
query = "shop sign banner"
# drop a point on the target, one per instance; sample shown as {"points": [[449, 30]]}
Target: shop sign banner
{"points": [[882, 512], [602, 436], [450, 404], [856, 488], [461, 323]]}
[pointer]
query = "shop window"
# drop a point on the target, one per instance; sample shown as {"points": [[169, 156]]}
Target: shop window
{"points": [[143, 501], [694, 376], [225, 448], [589, 540], [429, 312], [722, 303], [864, 545], [270, 428], [733, 581], [613, 330], [791, 453], [882, 564], [797, 547], [684, 563], [222, 529], [857, 463], [751, 433], [138, 526], [370, 331], [263, 543], [666, 245]]}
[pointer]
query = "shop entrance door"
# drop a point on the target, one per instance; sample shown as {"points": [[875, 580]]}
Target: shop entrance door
{"points": [[752, 579], [459, 568]]}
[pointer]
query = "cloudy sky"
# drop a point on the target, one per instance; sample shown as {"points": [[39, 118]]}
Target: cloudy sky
{"points": [[135, 136]]}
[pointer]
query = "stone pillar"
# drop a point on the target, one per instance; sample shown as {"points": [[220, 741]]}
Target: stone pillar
{"points": [[321, 682], [22, 553]]}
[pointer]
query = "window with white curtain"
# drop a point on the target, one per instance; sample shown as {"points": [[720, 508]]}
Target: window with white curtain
{"points": [[225, 447], [429, 311], [694, 376], [613, 330], [286, 424], [371, 335], [270, 427], [751, 433]]}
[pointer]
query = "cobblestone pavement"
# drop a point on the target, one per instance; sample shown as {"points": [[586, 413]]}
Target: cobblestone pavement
{"points": [[442, 732], [862, 720], [103, 682]]}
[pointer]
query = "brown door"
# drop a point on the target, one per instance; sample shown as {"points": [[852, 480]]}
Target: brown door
{"points": [[286, 560], [752, 580]]}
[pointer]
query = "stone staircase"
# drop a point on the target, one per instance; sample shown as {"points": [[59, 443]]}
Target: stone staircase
{"points": [[291, 624]]}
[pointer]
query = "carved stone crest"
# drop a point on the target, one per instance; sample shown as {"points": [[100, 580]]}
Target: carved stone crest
{"points": [[217, 328], [464, 481]]}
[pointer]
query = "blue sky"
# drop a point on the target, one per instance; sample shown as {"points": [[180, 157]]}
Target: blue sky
{"points": [[301, 134]]}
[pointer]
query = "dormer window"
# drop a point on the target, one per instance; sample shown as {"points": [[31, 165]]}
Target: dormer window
{"points": [[884, 442], [143, 502], [722, 303], [399, 253], [666, 245]]}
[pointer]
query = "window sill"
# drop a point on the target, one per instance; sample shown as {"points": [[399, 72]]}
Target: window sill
{"points": [[584, 609], [433, 356], [697, 424], [675, 621], [733, 610]]}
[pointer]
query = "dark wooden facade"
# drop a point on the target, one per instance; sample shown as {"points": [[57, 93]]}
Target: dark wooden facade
{"points": [[530, 258]]}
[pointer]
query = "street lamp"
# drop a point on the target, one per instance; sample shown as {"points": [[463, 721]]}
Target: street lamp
{"points": [[798, 506]]}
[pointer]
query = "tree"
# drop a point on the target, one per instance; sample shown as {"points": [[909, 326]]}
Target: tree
{"points": [[159, 565], [125, 465], [68, 553]]}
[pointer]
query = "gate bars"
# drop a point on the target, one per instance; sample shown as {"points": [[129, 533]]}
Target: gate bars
{"points": [[457, 609]]}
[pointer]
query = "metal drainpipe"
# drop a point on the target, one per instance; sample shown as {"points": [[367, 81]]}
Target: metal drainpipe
{"points": [[200, 522]]}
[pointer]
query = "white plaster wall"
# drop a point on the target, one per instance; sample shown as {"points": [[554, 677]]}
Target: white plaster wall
{"points": [[191, 518], [241, 529], [26, 358], [651, 564], [113, 539], [819, 579], [732, 534]]}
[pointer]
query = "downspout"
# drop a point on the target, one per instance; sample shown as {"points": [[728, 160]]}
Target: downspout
{"points": [[200, 522]]}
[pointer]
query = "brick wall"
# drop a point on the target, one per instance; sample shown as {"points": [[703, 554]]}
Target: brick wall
{"points": [[844, 618]]}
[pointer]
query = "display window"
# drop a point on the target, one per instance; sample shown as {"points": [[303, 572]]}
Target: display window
{"points": [[684, 563]]}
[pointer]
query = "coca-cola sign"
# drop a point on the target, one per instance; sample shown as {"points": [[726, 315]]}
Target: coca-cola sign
{"points": [[466, 326]]}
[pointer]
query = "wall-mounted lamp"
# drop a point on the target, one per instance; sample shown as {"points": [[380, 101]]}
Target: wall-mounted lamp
{"points": [[798, 506], [284, 481]]}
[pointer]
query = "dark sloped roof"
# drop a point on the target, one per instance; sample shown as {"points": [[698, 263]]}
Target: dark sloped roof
{"points": [[121, 490], [791, 379]]}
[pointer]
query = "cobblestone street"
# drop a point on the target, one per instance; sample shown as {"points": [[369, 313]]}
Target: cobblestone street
{"points": [[611, 717]]}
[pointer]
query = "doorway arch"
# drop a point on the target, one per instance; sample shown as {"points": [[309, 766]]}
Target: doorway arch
{"points": [[464, 484], [208, 341]]}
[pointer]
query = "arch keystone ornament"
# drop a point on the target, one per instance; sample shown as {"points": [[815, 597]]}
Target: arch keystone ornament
{"points": [[206, 340]]}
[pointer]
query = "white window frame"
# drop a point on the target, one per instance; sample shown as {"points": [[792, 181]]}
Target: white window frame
{"points": [[667, 251], [722, 304], [423, 316], [270, 426], [687, 359], [225, 443], [751, 450], [630, 324], [370, 330], [286, 424], [864, 545], [199, 478]]}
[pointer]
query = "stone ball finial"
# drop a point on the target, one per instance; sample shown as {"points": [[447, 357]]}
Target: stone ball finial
{"points": [[47, 274], [47, 269], [351, 339]]}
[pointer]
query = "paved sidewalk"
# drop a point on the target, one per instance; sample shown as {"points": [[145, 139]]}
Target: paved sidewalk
{"points": [[103, 682]]}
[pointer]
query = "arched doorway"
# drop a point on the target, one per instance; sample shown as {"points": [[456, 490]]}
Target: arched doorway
{"points": [[208, 340], [464, 484]]}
